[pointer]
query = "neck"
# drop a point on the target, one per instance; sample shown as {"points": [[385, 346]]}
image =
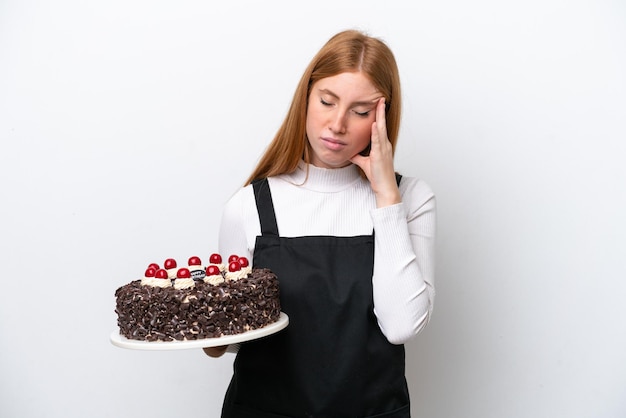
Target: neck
{"points": [[324, 179]]}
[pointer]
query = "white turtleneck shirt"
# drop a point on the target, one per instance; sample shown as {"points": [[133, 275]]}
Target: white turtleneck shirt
{"points": [[339, 202]]}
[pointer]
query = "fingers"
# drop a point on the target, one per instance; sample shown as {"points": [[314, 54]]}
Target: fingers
{"points": [[378, 165], [379, 127], [381, 120], [215, 351], [381, 172], [380, 140], [362, 162]]}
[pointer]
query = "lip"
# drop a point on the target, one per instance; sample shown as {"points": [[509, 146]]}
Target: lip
{"points": [[332, 143]]}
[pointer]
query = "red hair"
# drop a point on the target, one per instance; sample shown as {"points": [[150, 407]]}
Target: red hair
{"points": [[347, 51]]}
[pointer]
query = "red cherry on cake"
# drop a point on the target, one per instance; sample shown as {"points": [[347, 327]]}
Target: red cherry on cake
{"points": [[183, 273], [215, 259], [243, 261], [150, 272], [155, 266], [232, 258], [212, 271], [161, 274], [234, 266], [194, 261], [170, 263]]}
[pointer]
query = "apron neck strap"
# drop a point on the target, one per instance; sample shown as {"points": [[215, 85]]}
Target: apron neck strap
{"points": [[265, 207]]}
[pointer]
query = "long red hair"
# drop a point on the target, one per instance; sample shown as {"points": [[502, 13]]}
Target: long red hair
{"points": [[347, 51]]}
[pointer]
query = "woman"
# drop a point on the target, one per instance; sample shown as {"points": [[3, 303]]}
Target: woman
{"points": [[351, 242]]}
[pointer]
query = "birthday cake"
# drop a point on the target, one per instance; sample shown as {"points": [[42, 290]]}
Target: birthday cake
{"points": [[193, 302]]}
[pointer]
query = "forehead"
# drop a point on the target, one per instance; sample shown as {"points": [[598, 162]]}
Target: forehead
{"points": [[348, 86]]}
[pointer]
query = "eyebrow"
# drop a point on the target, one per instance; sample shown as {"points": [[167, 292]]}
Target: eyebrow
{"points": [[360, 103]]}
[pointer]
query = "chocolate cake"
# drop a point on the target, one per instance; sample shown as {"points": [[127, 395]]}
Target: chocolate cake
{"points": [[205, 308]]}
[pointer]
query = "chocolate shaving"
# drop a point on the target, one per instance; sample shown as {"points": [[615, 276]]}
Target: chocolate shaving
{"points": [[165, 314]]}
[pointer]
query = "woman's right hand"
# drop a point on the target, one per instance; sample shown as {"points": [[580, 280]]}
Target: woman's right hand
{"points": [[215, 351]]}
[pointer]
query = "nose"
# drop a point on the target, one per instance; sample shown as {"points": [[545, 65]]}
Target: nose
{"points": [[338, 122]]}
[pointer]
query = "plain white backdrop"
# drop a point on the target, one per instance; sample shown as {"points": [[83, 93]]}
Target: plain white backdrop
{"points": [[125, 126]]}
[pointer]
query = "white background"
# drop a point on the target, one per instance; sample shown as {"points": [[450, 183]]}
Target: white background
{"points": [[125, 126]]}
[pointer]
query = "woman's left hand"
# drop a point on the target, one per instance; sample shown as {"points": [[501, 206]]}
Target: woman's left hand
{"points": [[215, 351], [378, 165]]}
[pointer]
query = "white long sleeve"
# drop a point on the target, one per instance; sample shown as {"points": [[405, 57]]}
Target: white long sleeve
{"points": [[338, 202]]}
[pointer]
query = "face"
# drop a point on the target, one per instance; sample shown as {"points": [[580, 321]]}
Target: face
{"points": [[339, 118]]}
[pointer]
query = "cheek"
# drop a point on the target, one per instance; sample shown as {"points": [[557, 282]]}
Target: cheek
{"points": [[312, 121], [363, 133]]}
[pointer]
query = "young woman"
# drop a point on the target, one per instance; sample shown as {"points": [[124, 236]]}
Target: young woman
{"points": [[351, 242]]}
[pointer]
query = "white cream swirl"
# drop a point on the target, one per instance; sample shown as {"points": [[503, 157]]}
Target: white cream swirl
{"points": [[183, 283], [236, 275], [154, 282], [214, 279]]}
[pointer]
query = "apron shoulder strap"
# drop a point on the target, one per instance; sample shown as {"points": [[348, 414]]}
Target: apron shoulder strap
{"points": [[265, 207]]}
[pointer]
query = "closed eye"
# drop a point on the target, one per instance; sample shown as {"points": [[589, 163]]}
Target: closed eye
{"points": [[356, 112]]}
